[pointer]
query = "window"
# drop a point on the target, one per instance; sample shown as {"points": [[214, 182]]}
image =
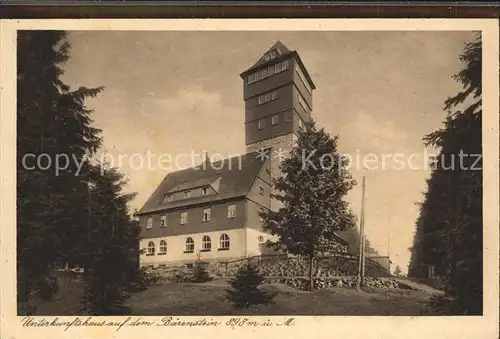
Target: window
{"points": [[187, 194], [204, 191], [206, 214], [277, 68], [303, 103], [206, 243], [184, 218], [275, 119], [261, 190], [149, 223], [265, 98], [163, 221], [303, 78], [224, 242], [268, 72], [231, 211], [189, 245], [151, 248], [163, 247], [261, 123], [261, 212], [170, 197]]}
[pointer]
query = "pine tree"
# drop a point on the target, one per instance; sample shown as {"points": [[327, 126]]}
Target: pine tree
{"points": [[200, 271], [312, 189], [245, 292], [450, 223], [77, 214], [52, 120], [110, 256], [397, 271]]}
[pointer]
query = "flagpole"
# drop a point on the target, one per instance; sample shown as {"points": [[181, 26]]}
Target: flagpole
{"points": [[361, 264]]}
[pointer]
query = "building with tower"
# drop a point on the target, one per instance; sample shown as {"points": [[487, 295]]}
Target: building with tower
{"points": [[212, 210]]}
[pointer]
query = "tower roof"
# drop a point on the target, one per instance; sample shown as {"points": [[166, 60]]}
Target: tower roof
{"points": [[277, 52], [278, 49]]}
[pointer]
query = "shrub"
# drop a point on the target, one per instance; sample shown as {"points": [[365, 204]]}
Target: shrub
{"points": [[47, 287], [244, 292], [142, 279], [200, 273]]}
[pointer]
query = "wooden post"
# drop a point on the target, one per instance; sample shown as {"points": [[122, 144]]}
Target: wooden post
{"points": [[361, 264]]}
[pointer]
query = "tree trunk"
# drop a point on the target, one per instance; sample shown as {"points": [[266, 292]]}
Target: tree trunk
{"points": [[311, 280]]}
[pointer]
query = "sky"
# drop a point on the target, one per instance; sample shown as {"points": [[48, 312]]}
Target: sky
{"points": [[180, 92]]}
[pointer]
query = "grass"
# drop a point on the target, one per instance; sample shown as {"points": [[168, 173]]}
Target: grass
{"points": [[209, 299]]}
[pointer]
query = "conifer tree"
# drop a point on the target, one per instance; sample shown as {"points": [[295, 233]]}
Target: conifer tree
{"points": [[52, 121], [397, 271], [312, 189], [245, 292], [450, 225], [111, 263], [200, 271], [77, 212]]}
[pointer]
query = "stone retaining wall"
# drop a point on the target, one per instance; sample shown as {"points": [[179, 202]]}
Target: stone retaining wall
{"points": [[346, 281], [324, 268]]}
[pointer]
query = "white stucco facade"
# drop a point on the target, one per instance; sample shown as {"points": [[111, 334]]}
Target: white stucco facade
{"points": [[242, 243]]}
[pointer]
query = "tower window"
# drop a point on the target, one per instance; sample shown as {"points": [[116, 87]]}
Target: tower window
{"points": [[261, 214], [187, 194], [264, 98], [261, 123], [277, 68], [303, 78], [204, 190], [284, 65], [303, 103], [261, 190], [275, 119], [267, 72]]}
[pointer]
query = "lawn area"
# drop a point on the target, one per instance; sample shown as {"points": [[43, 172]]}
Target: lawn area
{"points": [[209, 299], [177, 299]]}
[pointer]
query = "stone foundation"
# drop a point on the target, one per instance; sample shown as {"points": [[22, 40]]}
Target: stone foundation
{"points": [[347, 281]]}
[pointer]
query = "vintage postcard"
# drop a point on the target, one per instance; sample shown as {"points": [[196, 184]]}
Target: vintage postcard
{"points": [[270, 178]]}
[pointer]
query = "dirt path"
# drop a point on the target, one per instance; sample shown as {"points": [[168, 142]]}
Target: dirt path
{"points": [[419, 286]]}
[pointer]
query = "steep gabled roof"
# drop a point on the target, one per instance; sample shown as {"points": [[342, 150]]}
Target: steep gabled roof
{"points": [[278, 48], [234, 177], [281, 52]]}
